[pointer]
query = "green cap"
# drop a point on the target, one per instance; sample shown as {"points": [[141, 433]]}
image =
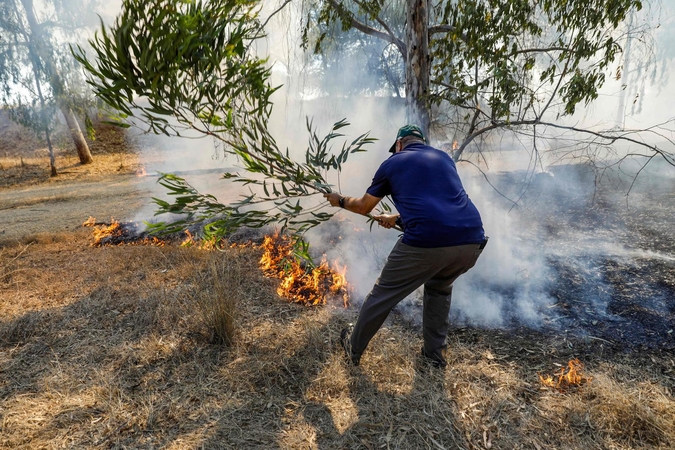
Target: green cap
{"points": [[407, 130]]}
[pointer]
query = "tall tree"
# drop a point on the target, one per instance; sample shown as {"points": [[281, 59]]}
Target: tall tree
{"points": [[38, 72], [476, 66]]}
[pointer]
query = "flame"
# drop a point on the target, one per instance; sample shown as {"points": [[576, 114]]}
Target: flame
{"points": [[103, 231], [115, 229], [189, 239], [90, 222], [455, 145], [300, 284], [573, 377], [309, 287]]}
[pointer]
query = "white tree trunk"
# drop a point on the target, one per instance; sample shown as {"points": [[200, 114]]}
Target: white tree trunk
{"points": [[78, 138]]}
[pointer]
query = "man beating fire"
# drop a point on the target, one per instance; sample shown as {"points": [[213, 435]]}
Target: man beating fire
{"points": [[442, 238]]}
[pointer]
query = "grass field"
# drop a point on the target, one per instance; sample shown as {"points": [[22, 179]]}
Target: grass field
{"points": [[108, 348], [114, 347]]}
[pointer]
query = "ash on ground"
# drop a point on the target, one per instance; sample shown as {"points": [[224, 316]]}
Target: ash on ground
{"points": [[607, 259]]}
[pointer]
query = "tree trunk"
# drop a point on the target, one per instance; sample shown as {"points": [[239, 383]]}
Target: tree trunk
{"points": [[55, 82], [52, 159], [417, 70], [78, 138]]}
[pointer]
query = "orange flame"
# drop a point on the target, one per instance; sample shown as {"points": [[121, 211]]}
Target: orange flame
{"points": [[189, 239], [90, 222], [455, 146], [573, 377], [103, 231], [309, 287]]}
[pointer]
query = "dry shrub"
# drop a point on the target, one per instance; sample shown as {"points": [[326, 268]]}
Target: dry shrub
{"points": [[219, 284]]}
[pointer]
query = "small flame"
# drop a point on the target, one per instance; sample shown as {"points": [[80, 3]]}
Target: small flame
{"points": [[120, 234], [103, 231], [90, 222], [189, 239], [573, 377], [455, 146], [309, 287]]}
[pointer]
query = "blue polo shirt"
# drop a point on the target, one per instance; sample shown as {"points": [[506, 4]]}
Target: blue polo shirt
{"points": [[426, 189]]}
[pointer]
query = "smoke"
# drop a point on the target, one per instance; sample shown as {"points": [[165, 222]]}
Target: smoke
{"points": [[556, 247]]}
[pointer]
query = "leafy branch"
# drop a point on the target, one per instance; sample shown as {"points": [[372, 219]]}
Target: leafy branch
{"points": [[177, 67], [276, 186]]}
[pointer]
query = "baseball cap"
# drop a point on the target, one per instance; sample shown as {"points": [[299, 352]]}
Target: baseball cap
{"points": [[407, 130]]}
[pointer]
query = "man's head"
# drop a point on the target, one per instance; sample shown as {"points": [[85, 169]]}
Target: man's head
{"points": [[407, 133]]}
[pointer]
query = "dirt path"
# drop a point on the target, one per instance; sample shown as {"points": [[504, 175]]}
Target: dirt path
{"points": [[62, 206]]}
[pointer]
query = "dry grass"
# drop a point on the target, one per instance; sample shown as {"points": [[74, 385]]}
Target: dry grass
{"points": [[24, 159], [108, 348], [218, 285]]}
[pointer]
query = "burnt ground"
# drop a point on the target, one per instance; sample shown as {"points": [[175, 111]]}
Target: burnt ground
{"points": [[610, 255], [610, 260]]}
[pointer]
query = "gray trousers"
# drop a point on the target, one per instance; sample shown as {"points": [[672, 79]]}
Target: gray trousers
{"points": [[406, 269]]}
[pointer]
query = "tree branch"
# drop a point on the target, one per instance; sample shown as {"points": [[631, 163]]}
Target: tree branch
{"points": [[445, 29], [276, 11], [362, 27], [669, 158], [542, 50]]}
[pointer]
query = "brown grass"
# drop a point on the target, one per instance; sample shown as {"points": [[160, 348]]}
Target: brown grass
{"points": [[24, 159], [108, 348], [217, 287]]}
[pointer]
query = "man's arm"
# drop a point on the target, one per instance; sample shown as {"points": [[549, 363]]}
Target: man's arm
{"points": [[363, 205]]}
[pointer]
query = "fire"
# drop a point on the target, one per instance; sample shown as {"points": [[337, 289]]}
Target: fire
{"points": [[573, 377], [309, 287], [189, 239], [299, 282], [455, 145], [117, 233], [103, 231], [90, 222]]}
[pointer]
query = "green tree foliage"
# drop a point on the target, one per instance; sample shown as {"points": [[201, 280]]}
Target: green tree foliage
{"points": [[514, 64], [177, 67], [336, 48], [38, 76]]}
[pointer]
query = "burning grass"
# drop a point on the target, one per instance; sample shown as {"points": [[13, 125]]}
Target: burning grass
{"points": [[300, 282], [107, 347], [573, 377], [306, 285]]}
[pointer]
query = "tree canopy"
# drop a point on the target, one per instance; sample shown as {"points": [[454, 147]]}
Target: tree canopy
{"points": [[177, 67], [473, 67]]}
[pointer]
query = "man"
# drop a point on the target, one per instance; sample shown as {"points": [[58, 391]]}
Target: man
{"points": [[442, 239]]}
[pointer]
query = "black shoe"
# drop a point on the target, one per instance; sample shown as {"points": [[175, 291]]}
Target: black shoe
{"points": [[438, 363], [345, 340]]}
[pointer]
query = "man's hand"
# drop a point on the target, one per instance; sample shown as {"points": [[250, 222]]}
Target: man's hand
{"points": [[386, 220], [333, 198]]}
